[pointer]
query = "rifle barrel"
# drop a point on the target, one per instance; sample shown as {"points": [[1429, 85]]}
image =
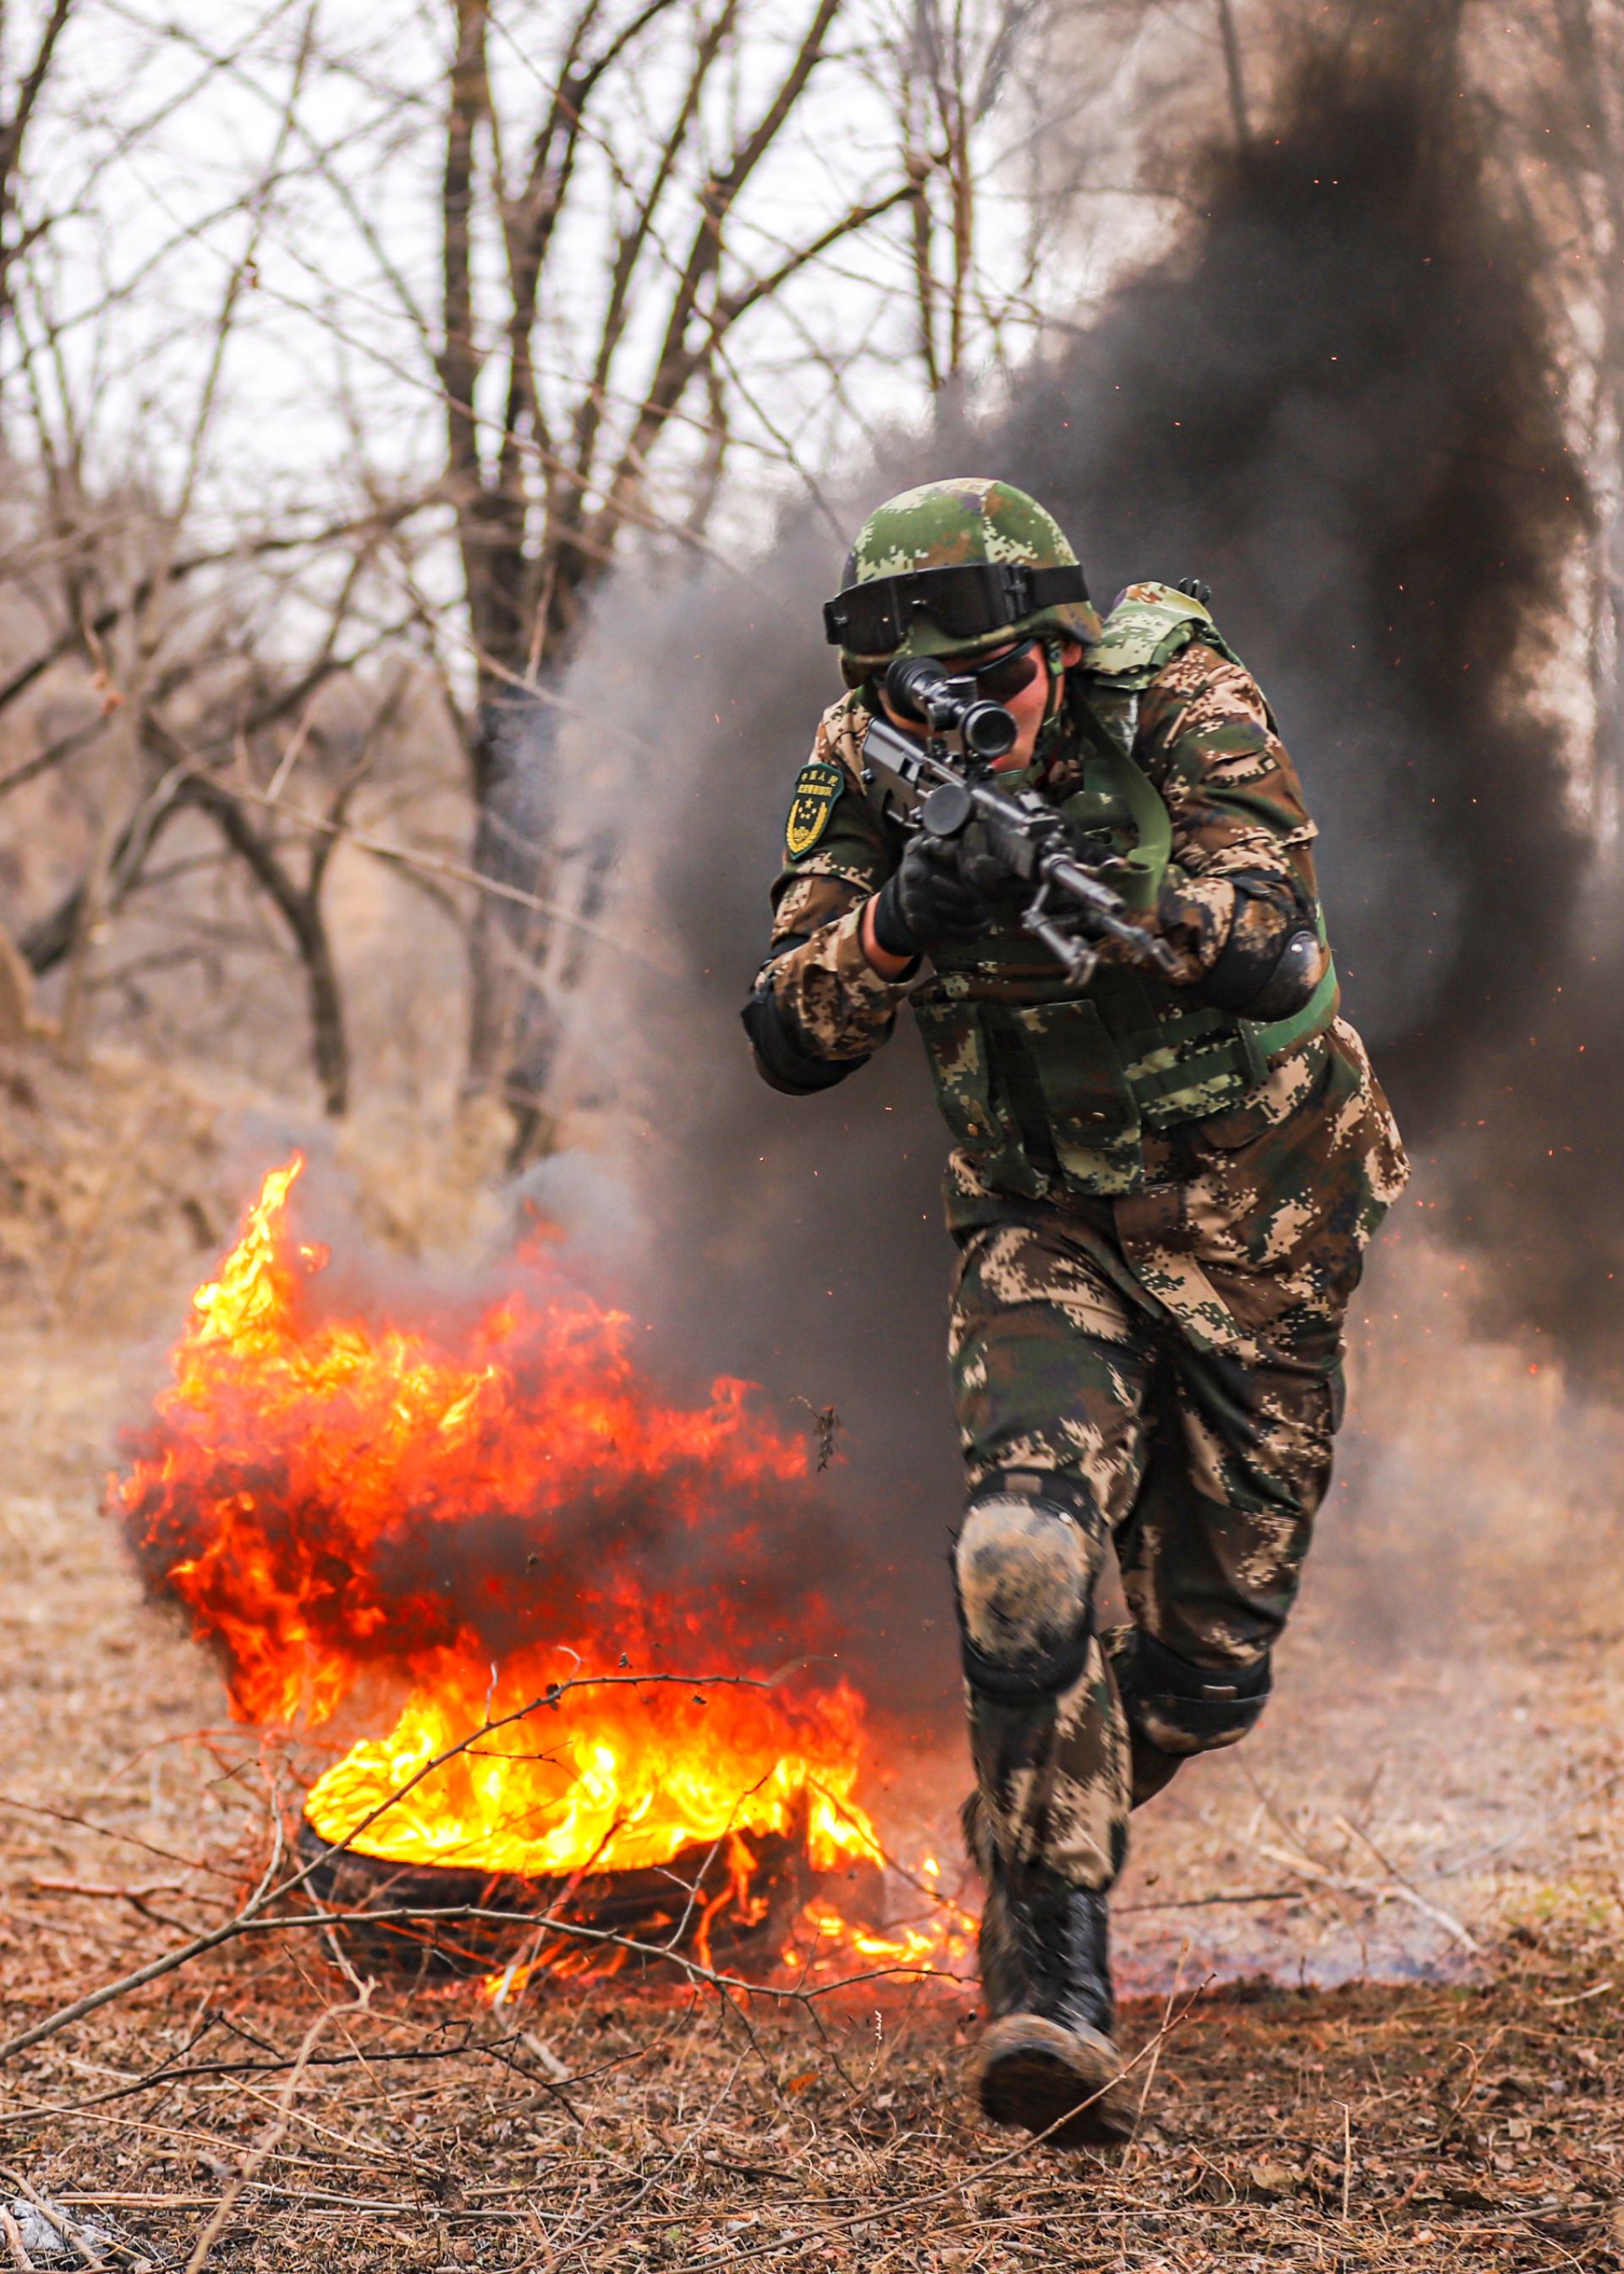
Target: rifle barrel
{"points": [[1032, 850]]}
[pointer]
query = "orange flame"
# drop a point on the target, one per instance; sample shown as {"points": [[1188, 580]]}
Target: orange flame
{"points": [[465, 1518]]}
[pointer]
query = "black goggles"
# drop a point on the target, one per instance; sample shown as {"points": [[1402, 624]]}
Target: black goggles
{"points": [[962, 603], [1004, 676]]}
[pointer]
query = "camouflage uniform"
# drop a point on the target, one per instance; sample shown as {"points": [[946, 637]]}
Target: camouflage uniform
{"points": [[1154, 1260]]}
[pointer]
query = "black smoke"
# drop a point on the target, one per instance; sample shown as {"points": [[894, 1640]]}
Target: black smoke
{"points": [[1336, 398], [1341, 400]]}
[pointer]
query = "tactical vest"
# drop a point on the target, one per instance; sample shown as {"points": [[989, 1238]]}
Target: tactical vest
{"points": [[1049, 1087]]}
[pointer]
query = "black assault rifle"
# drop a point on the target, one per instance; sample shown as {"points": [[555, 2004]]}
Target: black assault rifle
{"points": [[945, 786]]}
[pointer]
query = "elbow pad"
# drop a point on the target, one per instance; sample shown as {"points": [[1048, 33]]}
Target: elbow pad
{"points": [[1265, 973], [782, 1059]]}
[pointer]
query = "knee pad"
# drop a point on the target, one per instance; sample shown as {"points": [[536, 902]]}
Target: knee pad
{"points": [[1023, 1573], [1181, 1708]]}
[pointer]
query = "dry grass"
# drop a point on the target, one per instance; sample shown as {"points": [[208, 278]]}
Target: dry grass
{"points": [[1447, 2127], [1433, 2122]]}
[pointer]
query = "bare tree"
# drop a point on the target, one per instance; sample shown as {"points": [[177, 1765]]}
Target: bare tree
{"points": [[638, 153], [149, 678], [1572, 126], [1234, 72], [1027, 127], [953, 62], [217, 729], [18, 226], [554, 287]]}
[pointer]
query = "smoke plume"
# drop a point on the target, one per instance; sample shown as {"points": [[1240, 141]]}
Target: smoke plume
{"points": [[1336, 399], [1340, 402]]}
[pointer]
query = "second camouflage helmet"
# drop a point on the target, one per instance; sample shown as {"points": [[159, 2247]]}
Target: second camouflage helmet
{"points": [[952, 568]]}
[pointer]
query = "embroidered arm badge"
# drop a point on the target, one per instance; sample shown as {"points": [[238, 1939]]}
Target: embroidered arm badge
{"points": [[817, 786]]}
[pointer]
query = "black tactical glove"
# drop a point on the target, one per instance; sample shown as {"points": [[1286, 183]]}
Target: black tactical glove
{"points": [[929, 900], [987, 875]]}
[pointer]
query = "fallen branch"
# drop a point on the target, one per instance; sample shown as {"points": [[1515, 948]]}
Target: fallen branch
{"points": [[1402, 1888], [450, 1913], [1396, 1890], [108, 1832], [269, 2139], [159, 2080], [254, 1917], [1205, 1902], [110, 1894]]}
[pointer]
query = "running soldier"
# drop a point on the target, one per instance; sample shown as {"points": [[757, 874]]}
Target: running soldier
{"points": [[1161, 1192]]}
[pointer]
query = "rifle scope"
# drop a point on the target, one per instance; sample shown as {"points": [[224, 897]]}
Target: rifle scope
{"points": [[953, 708]]}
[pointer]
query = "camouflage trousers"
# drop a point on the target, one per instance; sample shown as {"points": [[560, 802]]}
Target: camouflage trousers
{"points": [[1205, 1467]]}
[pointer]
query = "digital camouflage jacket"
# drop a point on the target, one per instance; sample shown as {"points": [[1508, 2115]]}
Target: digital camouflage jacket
{"points": [[1203, 1141]]}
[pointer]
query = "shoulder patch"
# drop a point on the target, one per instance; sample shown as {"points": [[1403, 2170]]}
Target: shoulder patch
{"points": [[817, 786]]}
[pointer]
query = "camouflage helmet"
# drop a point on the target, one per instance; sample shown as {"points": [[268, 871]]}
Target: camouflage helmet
{"points": [[952, 568]]}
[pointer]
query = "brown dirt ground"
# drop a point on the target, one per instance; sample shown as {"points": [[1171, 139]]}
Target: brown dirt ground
{"points": [[1442, 1821]]}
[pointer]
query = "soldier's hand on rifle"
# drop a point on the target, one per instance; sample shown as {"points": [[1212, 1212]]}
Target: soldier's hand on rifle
{"points": [[986, 874], [929, 900]]}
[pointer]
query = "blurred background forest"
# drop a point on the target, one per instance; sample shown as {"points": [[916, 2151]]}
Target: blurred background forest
{"points": [[353, 361], [346, 354]]}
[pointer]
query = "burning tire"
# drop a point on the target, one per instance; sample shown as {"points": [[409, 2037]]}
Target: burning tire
{"points": [[459, 1521], [731, 1903]]}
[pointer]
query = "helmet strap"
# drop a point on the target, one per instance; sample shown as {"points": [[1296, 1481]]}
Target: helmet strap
{"points": [[1049, 732]]}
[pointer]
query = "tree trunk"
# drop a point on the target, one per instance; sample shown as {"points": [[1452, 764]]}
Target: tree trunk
{"points": [[329, 1041], [300, 909], [1234, 76], [512, 1036]]}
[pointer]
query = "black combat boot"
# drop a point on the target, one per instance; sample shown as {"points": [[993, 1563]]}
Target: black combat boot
{"points": [[1047, 2051]]}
